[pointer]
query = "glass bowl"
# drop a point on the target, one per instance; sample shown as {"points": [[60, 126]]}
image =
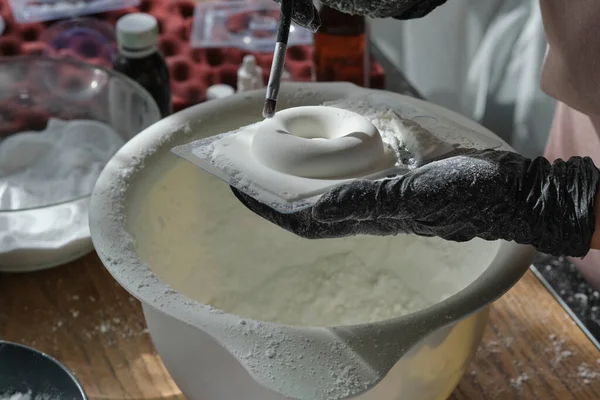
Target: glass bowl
{"points": [[60, 122], [88, 39]]}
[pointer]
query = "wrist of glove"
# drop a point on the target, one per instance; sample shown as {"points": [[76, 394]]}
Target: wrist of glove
{"points": [[306, 15], [486, 194]]}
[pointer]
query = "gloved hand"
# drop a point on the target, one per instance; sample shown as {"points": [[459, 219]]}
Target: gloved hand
{"points": [[307, 16], [487, 194]]}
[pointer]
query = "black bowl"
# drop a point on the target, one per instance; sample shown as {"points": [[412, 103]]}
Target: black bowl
{"points": [[24, 370]]}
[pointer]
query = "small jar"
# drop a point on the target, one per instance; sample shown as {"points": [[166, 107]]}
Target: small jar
{"points": [[140, 59]]}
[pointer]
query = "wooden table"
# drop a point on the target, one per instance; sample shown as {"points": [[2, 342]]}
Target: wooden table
{"points": [[80, 315]]}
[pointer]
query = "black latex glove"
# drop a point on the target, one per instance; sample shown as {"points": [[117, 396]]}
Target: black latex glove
{"points": [[487, 194], [307, 16], [417, 9]]}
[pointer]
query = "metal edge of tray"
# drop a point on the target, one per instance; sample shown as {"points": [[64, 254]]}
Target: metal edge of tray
{"points": [[565, 306]]}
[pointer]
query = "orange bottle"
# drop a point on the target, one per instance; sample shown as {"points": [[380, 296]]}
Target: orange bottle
{"points": [[340, 48]]}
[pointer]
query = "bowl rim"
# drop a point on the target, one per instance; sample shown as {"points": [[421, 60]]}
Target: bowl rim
{"points": [[59, 364], [506, 269], [7, 60]]}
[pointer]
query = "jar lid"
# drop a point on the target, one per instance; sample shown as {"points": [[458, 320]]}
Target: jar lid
{"points": [[219, 91], [137, 31]]}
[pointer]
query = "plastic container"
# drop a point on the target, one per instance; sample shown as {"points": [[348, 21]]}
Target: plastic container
{"points": [[245, 24], [47, 10]]}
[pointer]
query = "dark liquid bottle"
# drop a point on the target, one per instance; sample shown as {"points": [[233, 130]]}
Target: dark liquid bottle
{"points": [[139, 58], [340, 48]]}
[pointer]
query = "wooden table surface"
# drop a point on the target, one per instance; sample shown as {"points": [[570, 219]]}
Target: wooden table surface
{"points": [[80, 315]]}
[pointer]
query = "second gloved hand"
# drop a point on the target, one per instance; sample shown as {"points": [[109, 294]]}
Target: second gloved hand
{"points": [[307, 16], [487, 194]]}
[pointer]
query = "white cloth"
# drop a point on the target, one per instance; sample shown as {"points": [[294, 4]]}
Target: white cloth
{"points": [[479, 58]]}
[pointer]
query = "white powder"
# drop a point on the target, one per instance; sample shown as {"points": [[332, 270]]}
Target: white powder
{"points": [[60, 163], [16, 396], [586, 373], [518, 382], [383, 118], [417, 135], [39, 169], [200, 240], [560, 354], [27, 396], [335, 289]]}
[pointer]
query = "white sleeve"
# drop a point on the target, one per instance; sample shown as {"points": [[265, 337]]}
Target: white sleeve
{"points": [[479, 58]]}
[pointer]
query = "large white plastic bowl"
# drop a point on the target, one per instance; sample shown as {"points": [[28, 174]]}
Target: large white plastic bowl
{"points": [[148, 210]]}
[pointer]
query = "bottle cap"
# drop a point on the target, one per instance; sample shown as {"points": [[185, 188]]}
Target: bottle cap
{"points": [[249, 62], [137, 32], [249, 75], [219, 91]]}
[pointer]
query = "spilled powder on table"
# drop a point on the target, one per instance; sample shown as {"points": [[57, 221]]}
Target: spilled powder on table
{"points": [[558, 355], [91, 326], [585, 372], [517, 382]]}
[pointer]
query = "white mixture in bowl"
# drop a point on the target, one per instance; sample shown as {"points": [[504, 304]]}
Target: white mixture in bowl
{"points": [[57, 164], [45, 177], [195, 235]]}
